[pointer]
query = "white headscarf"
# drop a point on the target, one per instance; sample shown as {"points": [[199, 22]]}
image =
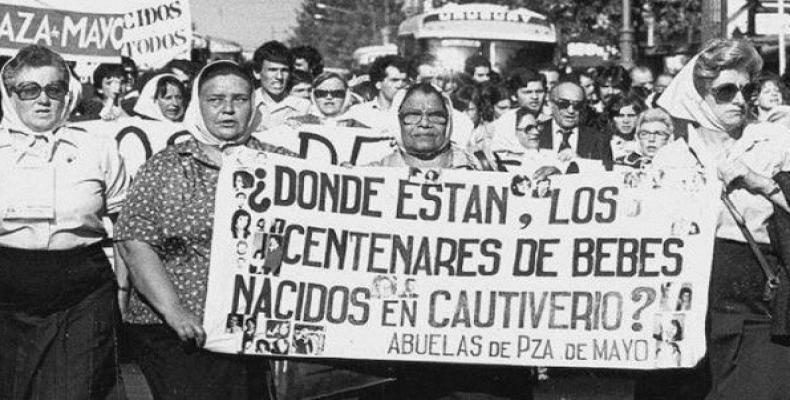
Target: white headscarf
{"points": [[11, 120], [196, 125], [393, 122], [682, 100], [146, 103]]}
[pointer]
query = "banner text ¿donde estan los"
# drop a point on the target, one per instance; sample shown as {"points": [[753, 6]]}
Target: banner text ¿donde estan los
{"points": [[460, 266]]}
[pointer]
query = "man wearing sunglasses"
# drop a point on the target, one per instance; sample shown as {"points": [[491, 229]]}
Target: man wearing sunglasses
{"points": [[273, 63], [563, 133]]}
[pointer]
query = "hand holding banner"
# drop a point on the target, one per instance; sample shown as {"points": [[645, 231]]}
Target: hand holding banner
{"points": [[598, 270]]}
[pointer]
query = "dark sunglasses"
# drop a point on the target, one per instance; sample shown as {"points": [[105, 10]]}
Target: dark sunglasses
{"points": [[32, 90], [565, 103], [726, 93], [326, 93]]}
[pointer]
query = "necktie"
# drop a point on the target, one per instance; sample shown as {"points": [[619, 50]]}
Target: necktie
{"points": [[565, 144]]}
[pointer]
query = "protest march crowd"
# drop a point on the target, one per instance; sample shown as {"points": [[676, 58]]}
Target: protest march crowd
{"points": [[61, 302]]}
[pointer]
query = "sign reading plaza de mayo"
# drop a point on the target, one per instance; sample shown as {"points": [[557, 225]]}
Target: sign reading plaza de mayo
{"points": [[605, 270]]}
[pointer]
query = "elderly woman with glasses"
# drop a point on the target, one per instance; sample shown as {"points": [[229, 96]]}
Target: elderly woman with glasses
{"points": [[424, 118], [57, 290], [712, 95]]}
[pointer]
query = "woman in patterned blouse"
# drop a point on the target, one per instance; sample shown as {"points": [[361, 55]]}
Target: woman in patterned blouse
{"points": [[165, 238]]}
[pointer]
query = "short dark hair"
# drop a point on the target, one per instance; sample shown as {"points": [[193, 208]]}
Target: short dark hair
{"points": [[475, 61], [299, 76], [615, 76], [464, 96], [627, 100], [34, 56], [273, 51], [549, 67], [420, 59], [161, 86], [491, 94], [522, 76], [313, 57], [224, 68], [378, 70], [107, 71], [129, 64]]}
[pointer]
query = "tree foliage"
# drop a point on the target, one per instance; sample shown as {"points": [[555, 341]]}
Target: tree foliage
{"points": [[342, 26], [337, 34]]}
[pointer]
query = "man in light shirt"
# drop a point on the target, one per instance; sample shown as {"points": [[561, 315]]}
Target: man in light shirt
{"points": [[388, 75], [273, 63]]}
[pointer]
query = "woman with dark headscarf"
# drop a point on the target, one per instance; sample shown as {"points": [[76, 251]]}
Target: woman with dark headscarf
{"points": [[57, 292], [165, 238], [711, 97]]}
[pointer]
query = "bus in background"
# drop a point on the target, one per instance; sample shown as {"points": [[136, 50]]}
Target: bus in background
{"points": [[364, 56], [453, 32]]}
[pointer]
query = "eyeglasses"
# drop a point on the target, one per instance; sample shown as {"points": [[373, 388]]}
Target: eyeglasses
{"points": [[414, 118], [320, 93], [565, 103], [657, 135], [32, 90], [527, 128], [726, 93]]}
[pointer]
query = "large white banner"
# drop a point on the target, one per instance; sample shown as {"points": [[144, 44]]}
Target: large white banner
{"points": [[77, 29], [604, 270], [151, 32], [331, 144], [138, 139]]}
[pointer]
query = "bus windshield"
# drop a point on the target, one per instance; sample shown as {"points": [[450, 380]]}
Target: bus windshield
{"points": [[504, 54]]}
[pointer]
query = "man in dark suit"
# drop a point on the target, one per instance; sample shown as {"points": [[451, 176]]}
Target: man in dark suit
{"points": [[563, 134]]}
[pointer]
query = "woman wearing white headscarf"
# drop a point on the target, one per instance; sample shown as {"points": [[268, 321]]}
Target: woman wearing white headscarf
{"points": [[57, 291], [710, 98], [425, 123], [421, 122], [331, 99], [165, 238], [162, 99]]}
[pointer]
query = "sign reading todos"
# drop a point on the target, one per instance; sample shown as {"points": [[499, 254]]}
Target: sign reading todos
{"points": [[149, 31], [602, 270], [157, 31]]}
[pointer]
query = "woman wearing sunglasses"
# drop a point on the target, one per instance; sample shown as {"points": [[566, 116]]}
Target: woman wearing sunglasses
{"points": [[331, 99], [712, 93], [57, 290]]}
